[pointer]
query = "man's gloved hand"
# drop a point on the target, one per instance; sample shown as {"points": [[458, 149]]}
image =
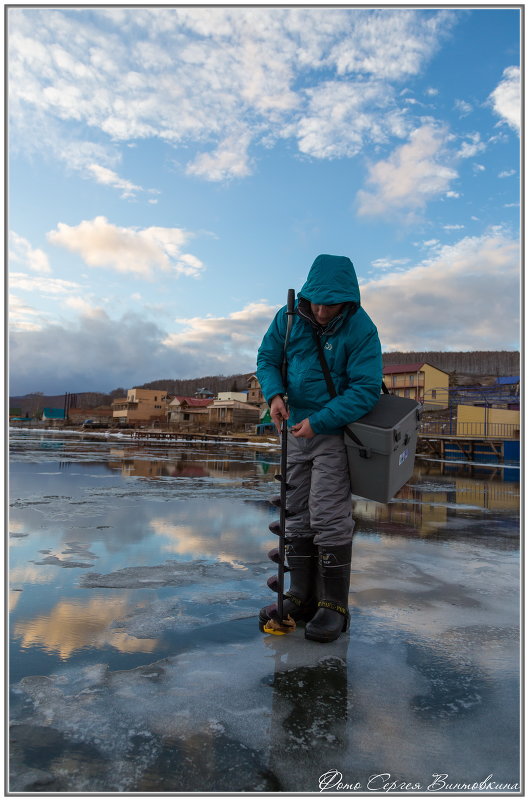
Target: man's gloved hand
{"points": [[303, 429], [278, 411]]}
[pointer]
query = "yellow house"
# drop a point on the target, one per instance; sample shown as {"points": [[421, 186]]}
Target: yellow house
{"points": [[141, 406], [418, 380]]}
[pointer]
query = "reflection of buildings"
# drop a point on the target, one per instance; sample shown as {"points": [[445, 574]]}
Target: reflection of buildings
{"points": [[181, 468], [427, 512], [72, 625]]}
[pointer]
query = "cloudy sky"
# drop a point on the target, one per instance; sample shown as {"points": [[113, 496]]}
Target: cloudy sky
{"points": [[173, 171]]}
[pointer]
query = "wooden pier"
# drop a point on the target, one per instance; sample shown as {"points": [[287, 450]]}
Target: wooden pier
{"points": [[452, 447]]}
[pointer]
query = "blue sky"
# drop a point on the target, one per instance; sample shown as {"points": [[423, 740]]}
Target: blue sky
{"points": [[173, 171]]}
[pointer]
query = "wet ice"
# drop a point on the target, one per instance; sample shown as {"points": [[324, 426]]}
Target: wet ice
{"points": [[151, 675]]}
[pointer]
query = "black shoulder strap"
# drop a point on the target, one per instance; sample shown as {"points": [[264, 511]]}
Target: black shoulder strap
{"points": [[330, 383], [324, 366]]}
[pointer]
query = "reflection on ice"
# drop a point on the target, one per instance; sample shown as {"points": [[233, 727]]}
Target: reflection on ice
{"points": [[71, 626]]}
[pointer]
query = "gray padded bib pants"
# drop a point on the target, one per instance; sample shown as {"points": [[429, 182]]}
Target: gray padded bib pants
{"points": [[319, 504]]}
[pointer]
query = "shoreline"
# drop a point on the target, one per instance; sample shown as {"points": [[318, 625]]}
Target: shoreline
{"points": [[170, 437]]}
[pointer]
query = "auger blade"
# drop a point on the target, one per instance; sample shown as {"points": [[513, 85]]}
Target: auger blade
{"points": [[274, 556], [276, 501], [273, 583], [279, 477]]}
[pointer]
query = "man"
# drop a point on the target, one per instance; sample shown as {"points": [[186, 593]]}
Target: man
{"points": [[319, 525]]}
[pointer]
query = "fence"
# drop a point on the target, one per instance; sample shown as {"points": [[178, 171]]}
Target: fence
{"points": [[484, 430]]}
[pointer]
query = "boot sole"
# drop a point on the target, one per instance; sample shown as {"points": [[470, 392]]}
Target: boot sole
{"points": [[326, 638], [321, 638]]}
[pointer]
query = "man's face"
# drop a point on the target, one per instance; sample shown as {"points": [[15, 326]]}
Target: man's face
{"points": [[324, 314]]}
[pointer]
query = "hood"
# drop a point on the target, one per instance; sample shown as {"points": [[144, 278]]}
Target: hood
{"points": [[331, 279]]}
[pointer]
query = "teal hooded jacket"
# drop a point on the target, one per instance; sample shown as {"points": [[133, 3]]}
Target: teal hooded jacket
{"points": [[350, 344]]}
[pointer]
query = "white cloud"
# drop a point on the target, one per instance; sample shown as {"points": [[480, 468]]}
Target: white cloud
{"points": [[411, 176], [103, 175], [506, 173], [453, 194], [478, 168], [224, 338], [83, 307], [390, 45], [20, 251], [506, 98], [197, 76], [465, 296], [472, 147], [341, 117], [432, 92], [453, 227], [388, 264], [229, 160], [44, 286], [128, 250], [463, 107], [23, 317]]}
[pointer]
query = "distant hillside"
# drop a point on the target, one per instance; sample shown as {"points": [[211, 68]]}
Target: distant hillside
{"points": [[35, 402], [188, 386], [476, 362], [464, 363]]}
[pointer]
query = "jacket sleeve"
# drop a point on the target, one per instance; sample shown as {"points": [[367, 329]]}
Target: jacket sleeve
{"points": [[270, 357], [364, 382]]}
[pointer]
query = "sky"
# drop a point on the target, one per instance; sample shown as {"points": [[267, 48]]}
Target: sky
{"points": [[173, 171]]}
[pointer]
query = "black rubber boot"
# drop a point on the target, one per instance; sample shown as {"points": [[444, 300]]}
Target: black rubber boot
{"points": [[300, 601], [332, 617]]}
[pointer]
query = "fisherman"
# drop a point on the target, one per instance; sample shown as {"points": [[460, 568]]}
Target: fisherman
{"points": [[319, 524]]}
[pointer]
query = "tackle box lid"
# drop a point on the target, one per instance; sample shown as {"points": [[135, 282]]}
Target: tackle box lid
{"points": [[388, 412]]}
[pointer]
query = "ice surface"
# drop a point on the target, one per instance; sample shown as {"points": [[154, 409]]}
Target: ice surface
{"points": [[288, 708], [172, 573], [425, 680], [55, 560]]}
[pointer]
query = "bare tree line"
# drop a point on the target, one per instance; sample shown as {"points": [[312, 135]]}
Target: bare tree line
{"points": [[479, 362]]}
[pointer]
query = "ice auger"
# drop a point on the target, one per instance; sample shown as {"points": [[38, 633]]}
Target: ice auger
{"points": [[279, 623]]}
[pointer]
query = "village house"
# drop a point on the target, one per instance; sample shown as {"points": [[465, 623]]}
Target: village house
{"points": [[232, 415], [204, 393], [255, 394], [231, 395], [141, 407], [187, 413], [420, 381]]}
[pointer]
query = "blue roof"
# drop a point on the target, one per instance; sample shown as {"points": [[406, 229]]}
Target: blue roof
{"points": [[509, 379]]}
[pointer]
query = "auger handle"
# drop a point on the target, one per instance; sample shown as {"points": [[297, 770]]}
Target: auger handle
{"points": [[291, 295]]}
